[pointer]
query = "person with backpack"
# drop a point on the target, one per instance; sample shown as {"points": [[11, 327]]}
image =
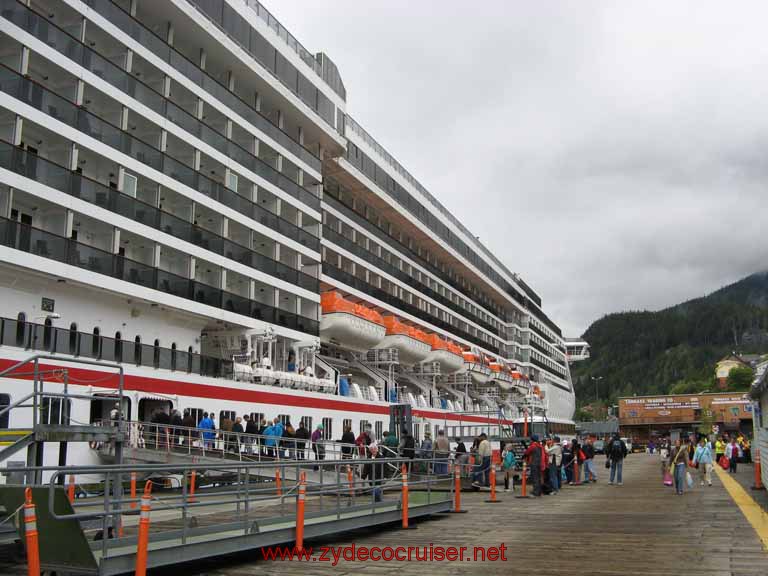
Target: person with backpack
{"points": [[555, 458], [536, 458], [508, 463], [617, 451], [702, 459]]}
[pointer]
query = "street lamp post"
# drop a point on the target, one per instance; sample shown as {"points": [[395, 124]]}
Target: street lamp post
{"points": [[596, 380]]}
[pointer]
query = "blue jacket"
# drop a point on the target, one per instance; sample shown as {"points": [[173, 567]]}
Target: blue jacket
{"points": [[207, 424], [269, 432], [702, 455]]}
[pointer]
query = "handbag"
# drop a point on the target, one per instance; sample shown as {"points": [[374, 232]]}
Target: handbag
{"points": [[689, 479], [667, 478], [725, 463], [607, 463]]}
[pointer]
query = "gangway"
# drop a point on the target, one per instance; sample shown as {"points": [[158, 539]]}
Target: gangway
{"points": [[188, 525]]}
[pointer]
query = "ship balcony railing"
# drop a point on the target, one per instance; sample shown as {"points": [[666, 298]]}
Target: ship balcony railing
{"points": [[58, 177], [45, 244], [42, 99], [383, 237], [384, 296], [55, 37], [340, 240]]}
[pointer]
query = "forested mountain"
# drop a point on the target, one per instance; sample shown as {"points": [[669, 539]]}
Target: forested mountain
{"points": [[673, 349]]}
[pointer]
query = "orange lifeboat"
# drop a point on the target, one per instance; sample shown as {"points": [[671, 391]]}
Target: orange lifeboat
{"points": [[349, 325], [474, 365], [410, 343], [445, 353]]}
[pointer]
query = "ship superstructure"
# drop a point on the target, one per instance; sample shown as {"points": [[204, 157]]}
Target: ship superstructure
{"points": [[182, 192]]}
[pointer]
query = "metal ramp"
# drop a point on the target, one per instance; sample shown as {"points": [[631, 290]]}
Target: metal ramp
{"points": [[188, 525], [13, 440]]}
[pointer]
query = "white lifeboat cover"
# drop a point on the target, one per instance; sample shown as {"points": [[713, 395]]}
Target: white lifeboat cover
{"points": [[351, 331]]}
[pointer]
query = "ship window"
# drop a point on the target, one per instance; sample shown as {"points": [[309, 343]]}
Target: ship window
{"points": [[327, 428], [284, 419], [256, 417], [379, 429], [5, 400], [137, 350], [173, 356], [226, 415], [129, 185], [21, 323], [73, 340], [363, 425], [232, 181], [156, 353], [417, 433], [54, 410], [189, 359], [196, 413], [307, 421], [47, 333], [118, 347], [96, 343], [346, 423]]}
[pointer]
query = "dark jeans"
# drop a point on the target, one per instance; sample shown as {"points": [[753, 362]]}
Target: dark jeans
{"points": [[482, 475], [732, 467], [536, 480], [554, 476]]}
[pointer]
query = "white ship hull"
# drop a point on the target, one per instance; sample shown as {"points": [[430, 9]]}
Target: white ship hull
{"points": [[449, 362]]}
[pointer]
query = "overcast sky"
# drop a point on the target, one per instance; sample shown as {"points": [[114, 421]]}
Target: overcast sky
{"points": [[612, 153]]}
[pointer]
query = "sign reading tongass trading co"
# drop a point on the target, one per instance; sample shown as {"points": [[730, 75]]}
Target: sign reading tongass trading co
{"points": [[724, 407]]}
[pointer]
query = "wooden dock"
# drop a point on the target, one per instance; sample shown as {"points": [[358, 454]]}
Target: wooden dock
{"points": [[641, 528]]}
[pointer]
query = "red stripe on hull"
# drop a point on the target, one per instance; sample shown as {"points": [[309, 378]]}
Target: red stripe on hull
{"points": [[85, 377]]}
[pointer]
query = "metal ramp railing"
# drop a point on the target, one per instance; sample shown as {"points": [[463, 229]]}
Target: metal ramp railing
{"points": [[99, 534]]}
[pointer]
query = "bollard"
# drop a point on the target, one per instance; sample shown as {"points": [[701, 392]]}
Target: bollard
{"points": [[575, 470], [758, 471], [71, 488], [30, 531], [457, 489], [278, 483], [143, 537], [300, 512], [191, 495], [404, 497], [493, 499], [133, 490], [523, 493]]}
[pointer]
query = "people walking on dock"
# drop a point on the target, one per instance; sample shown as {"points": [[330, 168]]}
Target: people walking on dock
{"points": [[251, 429], [590, 474], [460, 454], [302, 435], [577, 457], [237, 435], [616, 452], [554, 460], [318, 448], [719, 449], [733, 453], [508, 463], [425, 452], [484, 453], [702, 459], [390, 445], [536, 458], [347, 440], [442, 452], [678, 460], [407, 447], [207, 426], [567, 461]]}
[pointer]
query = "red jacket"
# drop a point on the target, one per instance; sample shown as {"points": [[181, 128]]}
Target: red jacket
{"points": [[530, 454]]}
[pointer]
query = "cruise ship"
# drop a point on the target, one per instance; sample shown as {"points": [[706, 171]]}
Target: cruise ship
{"points": [[184, 194]]}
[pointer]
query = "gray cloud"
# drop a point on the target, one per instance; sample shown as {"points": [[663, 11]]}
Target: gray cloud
{"points": [[611, 153]]}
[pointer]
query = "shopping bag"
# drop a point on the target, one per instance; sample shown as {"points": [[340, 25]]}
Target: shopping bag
{"points": [[689, 479], [667, 479], [725, 463]]}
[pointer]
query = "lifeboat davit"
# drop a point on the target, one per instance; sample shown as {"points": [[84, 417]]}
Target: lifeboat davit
{"points": [[477, 370], [447, 354], [348, 324], [410, 343]]}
